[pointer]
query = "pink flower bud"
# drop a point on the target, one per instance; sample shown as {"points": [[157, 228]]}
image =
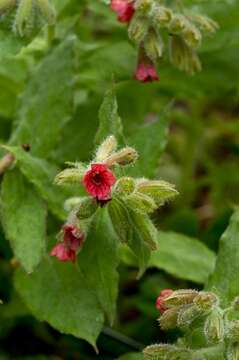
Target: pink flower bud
{"points": [[160, 300], [124, 9], [146, 71], [98, 181], [63, 252], [71, 241]]}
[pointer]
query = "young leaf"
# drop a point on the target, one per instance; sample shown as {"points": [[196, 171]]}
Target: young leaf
{"points": [[150, 151], [24, 219], [139, 244], [224, 280], [46, 103], [59, 294], [109, 120], [41, 174], [98, 261], [120, 220]]}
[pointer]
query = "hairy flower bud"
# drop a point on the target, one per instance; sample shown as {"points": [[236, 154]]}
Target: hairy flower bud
{"points": [[191, 35], [178, 23], [24, 18], [146, 70], [205, 301], [122, 157], [169, 318], [232, 352], [235, 304], [157, 351], [141, 203], [70, 175], [106, 148], [86, 208], [138, 29], [159, 190], [162, 15], [6, 5], [47, 11], [182, 56], [187, 314], [180, 297], [205, 23], [124, 186], [143, 6], [153, 45], [233, 331], [214, 327], [166, 352], [160, 302]]}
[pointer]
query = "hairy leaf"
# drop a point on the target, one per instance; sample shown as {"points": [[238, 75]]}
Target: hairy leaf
{"points": [[59, 294], [46, 103], [24, 219], [224, 280], [98, 261], [151, 150], [41, 173], [109, 120], [179, 255]]}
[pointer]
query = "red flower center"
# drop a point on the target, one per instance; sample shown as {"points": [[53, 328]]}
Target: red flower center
{"points": [[97, 178]]}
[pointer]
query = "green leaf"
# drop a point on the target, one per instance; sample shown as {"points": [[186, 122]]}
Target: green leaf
{"points": [[224, 280], [139, 246], [24, 219], [180, 256], [183, 257], [109, 120], [120, 220], [9, 44], [151, 150], [59, 294], [99, 259], [41, 174], [46, 103], [132, 356]]}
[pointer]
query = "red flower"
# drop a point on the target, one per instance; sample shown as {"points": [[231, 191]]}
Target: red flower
{"points": [[146, 71], [98, 181], [73, 236], [63, 252], [124, 9], [160, 300], [67, 249]]}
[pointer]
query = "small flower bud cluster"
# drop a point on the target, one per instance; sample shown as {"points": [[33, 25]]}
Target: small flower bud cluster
{"points": [[127, 197], [180, 308], [189, 310], [29, 14], [148, 19]]}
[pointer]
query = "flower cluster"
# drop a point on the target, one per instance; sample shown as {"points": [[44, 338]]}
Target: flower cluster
{"points": [[138, 197], [192, 309], [148, 19], [29, 14]]}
